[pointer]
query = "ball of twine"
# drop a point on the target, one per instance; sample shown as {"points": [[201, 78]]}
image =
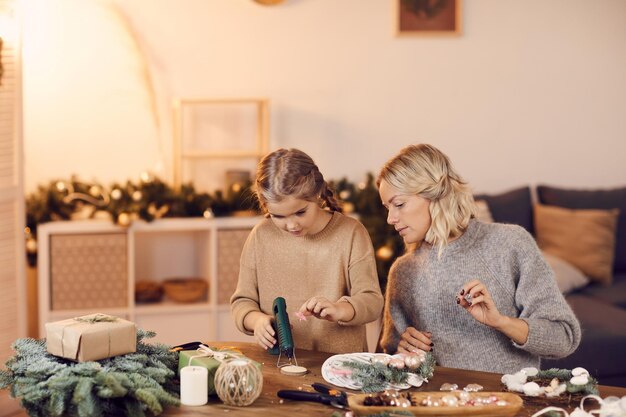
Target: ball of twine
{"points": [[238, 382]]}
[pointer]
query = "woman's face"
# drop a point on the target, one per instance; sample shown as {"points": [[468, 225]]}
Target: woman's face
{"points": [[409, 214], [298, 217]]}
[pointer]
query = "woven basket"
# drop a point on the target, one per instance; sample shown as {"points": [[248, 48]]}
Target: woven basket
{"points": [[148, 292], [185, 290]]}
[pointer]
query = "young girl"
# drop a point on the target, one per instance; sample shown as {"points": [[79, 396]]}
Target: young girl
{"points": [[478, 295], [307, 252]]}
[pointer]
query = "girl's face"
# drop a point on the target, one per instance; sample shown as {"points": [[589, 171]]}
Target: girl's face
{"points": [[298, 217], [409, 214]]}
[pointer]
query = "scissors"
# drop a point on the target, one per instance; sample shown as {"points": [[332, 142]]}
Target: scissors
{"points": [[324, 394]]}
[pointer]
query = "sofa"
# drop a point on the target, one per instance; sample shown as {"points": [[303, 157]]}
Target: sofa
{"points": [[586, 230]]}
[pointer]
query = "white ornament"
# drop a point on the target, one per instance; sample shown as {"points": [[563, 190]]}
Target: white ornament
{"points": [[531, 371], [579, 380], [532, 389], [579, 371]]}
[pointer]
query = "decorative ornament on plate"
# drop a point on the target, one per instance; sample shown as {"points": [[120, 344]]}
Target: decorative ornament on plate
{"points": [[371, 372]]}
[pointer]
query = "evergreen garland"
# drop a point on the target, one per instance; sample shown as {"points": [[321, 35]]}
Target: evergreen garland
{"points": [[132, 385], [150, 198], [375, 377]]}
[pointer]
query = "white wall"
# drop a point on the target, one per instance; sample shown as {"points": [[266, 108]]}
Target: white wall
{"points": [[533, 91]]}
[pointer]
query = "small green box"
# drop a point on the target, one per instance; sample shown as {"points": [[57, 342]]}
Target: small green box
{"points": [[210, 363]]}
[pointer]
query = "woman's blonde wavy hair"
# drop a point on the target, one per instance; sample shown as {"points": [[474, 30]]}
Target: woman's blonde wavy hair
{"points": [[426, 171], [291, 172]]}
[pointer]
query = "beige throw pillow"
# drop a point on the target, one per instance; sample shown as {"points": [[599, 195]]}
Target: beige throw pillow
{"points": [[584, 238], [482, 211], [568, 277]]}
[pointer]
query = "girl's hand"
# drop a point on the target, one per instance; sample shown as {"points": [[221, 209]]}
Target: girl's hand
{"points": [[413, 339], [323, 308], [263, 330], [476, 299]]}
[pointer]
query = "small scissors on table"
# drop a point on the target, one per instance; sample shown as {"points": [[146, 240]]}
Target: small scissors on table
{"points": [[324, 394]]}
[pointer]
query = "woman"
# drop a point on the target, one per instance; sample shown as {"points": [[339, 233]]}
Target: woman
{"points": [[478, 295]]}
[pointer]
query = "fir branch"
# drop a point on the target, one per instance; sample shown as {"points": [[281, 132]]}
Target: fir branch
{"points": [[375, 377], [427, 368]]}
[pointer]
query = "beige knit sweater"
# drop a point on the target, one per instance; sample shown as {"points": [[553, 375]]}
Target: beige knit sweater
{"points": [[336, 263]]}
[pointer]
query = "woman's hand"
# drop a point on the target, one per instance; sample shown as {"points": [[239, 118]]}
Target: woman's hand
{"points": [[413, 339], [261, 325], [323, 308], [476, 299]]}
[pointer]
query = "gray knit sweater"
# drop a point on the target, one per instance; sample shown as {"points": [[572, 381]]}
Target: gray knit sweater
{"points": [[421, 293]]}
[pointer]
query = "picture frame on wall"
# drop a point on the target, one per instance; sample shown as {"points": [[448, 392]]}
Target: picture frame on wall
{"points": [[428, 17]]}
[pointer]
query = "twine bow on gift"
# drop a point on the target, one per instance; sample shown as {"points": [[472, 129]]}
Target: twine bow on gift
{"points": [[96, 318], [206, 352]]}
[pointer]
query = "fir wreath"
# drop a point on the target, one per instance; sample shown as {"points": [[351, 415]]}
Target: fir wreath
{"points": [[129, 385], [565, 375]]}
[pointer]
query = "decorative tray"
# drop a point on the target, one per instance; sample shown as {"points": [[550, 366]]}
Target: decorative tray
{"points": [[513, 404]]}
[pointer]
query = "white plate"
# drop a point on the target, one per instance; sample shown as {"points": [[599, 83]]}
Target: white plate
{"points": [[335, 373]]}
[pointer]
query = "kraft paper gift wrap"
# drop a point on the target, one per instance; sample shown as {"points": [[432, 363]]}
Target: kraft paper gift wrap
{"points": [[91, 337], [210, 358]]}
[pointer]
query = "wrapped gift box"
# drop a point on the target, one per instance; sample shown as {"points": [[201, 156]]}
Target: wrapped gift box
{"points": [[91, 337], [211, 363]]}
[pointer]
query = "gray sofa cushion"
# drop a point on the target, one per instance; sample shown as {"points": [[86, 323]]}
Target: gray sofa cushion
{"points": [[601, 350], [513, 207], [615, 294], [592, 199]]}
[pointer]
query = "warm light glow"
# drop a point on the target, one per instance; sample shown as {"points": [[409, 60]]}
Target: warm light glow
{"points": [[8, 26]]}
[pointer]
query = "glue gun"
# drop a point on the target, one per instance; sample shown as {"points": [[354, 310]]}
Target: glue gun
{"points": [[284, 345]]}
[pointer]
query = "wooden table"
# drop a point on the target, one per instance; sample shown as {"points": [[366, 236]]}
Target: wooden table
{"points": [[269, 404]]}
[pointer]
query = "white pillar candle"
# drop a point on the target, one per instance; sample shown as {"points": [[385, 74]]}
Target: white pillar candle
{"points": [[194, 387]]}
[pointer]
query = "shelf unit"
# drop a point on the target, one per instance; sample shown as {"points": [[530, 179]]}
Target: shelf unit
{"points": [[92, 266], [215, 136]]}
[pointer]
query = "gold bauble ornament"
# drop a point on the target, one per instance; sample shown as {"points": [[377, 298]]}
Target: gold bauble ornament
{"points": [[95, 191], [116, 194], [348, 207], [31, 245], [137, 195], [123, 219], [269, 2], [384, 253], [146, 177]]}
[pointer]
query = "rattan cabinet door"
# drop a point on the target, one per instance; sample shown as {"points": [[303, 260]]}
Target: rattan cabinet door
{"points": [[229, 246], [88, 271]]}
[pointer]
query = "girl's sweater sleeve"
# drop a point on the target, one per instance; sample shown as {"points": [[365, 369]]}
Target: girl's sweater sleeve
{"points": [[392, 315], [365, 295], [554, 331], [245, 299]]}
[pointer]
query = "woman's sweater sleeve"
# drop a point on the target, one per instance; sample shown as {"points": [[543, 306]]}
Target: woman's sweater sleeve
{"points": [[245, 299], [365, 295], [554, 331]]}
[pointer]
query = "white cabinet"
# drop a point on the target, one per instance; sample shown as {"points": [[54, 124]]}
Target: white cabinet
{"points": [[92, 266]]}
